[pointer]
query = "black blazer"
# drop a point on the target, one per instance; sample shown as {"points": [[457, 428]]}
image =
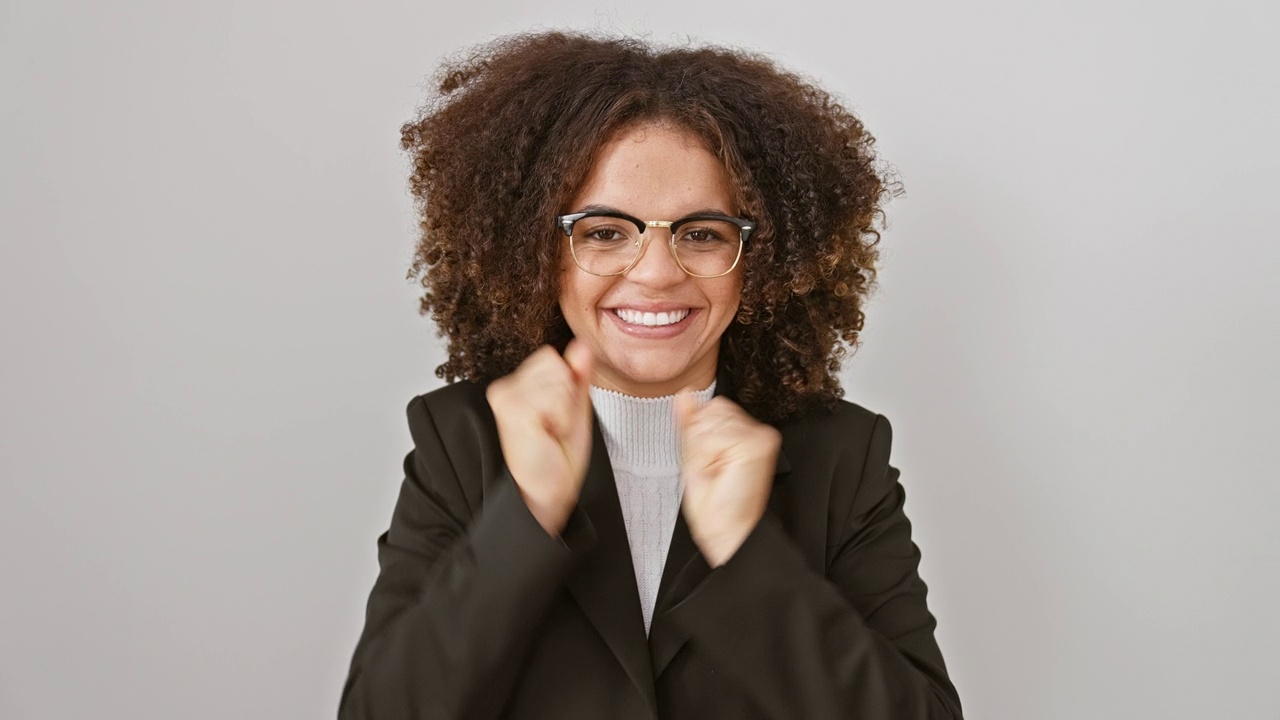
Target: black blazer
{"points": [[478, 613]]}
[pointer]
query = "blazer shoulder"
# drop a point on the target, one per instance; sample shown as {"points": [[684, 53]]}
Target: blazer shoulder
{"points": [[455, 435], [455, 397], [456, 416], [848, 423]]}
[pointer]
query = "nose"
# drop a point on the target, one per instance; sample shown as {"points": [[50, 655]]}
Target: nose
{"points": [[657, 266]]}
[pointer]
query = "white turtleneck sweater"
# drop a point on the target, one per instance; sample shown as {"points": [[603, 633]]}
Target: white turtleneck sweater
{"points": [[643, 443]]}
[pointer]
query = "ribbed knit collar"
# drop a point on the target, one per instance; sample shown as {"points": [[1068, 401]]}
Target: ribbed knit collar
{"points": [[640, 433]]}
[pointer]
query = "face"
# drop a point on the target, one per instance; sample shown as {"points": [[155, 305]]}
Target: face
{"points": [[653, 172]]}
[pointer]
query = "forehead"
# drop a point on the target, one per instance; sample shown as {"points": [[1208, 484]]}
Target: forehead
{"points": [[656, 172]]}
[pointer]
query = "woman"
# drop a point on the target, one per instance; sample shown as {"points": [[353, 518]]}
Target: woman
{"points": [[646, 498]]}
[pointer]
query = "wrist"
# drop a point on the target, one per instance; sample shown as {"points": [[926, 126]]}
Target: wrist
{"points": [[551, 514], [719, 548]]}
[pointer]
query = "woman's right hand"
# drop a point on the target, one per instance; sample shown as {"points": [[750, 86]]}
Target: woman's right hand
{"points": [[543, 412]]}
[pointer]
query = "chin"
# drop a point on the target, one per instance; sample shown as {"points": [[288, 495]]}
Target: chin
{"points": [[648, 376], [651, 371]]}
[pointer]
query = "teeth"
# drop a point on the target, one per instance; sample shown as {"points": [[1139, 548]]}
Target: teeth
{"points": [[635, 317]]}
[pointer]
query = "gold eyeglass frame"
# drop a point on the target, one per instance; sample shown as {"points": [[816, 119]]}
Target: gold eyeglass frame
{"points": [[566, 223]]}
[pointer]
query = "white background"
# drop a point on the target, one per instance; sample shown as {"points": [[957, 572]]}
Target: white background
{"points": [[209, 341]]}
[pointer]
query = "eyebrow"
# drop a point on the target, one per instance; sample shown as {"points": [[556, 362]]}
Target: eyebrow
{"points": [[610, 209]]}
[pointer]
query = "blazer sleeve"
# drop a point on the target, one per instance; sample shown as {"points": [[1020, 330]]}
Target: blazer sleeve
{"points": [[458, 598], [855, 643]]}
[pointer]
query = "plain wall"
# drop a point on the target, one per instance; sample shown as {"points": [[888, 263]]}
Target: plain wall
{"points": [[209, 340]]}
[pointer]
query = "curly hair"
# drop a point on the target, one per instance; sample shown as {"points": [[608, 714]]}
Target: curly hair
{"points": [[514, 128]]}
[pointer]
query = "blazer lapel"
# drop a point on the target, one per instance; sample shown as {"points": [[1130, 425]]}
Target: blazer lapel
{"points": [[686, 567], [605, 584]]}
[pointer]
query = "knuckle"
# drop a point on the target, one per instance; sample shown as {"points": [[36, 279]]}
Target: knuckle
{"points": [[550, 366], [538, 358], [720, 403], [770, 435]]}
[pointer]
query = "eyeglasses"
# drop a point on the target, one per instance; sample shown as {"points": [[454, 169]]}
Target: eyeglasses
{"points": [[607, 242]]}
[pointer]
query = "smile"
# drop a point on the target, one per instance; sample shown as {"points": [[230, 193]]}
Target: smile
{"points": [[649, 319]]}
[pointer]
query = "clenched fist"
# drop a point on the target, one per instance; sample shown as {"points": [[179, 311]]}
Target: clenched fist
{"points": [[543, 412], [728, 460]]}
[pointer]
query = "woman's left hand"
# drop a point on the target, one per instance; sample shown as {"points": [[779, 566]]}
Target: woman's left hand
{"points": [[728, 462]]}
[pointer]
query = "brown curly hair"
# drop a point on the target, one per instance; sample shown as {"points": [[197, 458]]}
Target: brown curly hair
{"points": [[517, 123]]}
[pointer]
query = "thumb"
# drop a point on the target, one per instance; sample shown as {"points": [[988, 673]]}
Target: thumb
{"points": [[686, 406], [581, 361]]}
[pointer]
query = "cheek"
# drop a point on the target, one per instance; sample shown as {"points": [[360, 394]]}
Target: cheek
{"points": [[578, 295], [569, 287], [728, 295]]}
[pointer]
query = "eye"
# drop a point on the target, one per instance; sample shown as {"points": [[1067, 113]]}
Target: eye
{"points": [[606, 235], [701, 236]]}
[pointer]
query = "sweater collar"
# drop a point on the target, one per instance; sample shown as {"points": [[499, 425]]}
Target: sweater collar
{"points": [[641, 433]]}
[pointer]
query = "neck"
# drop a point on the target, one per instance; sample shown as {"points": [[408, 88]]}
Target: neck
{"points": [[693, 381], [641, 432]]}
